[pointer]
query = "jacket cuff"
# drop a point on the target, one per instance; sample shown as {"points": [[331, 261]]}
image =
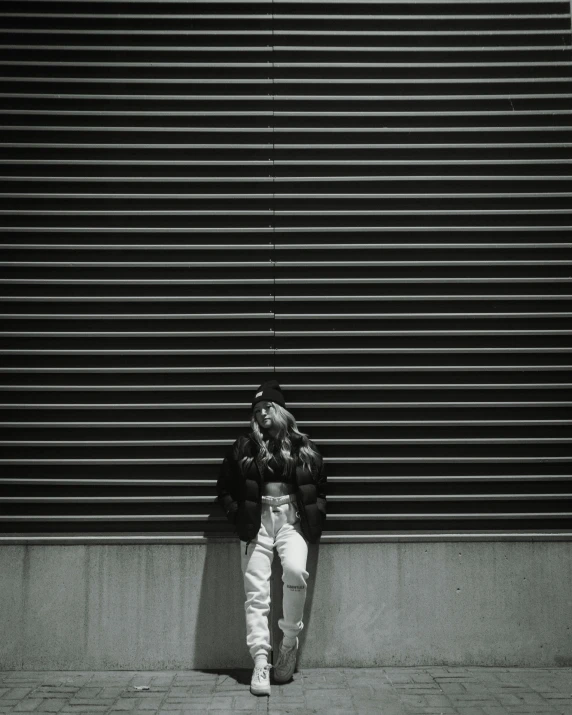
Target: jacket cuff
{"points": [[231, 512]]}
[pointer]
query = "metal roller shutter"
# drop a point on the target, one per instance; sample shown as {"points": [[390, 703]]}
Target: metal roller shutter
{"points": [[369, 199]]}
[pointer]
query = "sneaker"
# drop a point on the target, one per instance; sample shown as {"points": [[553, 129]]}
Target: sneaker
{"points": [[260, 682], [286, 663]]}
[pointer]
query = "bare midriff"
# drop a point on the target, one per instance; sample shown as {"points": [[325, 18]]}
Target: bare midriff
{"points": [[277, 489]]}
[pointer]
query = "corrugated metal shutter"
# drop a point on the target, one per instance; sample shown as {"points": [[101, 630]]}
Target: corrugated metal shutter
{"points": [[369, 199]]}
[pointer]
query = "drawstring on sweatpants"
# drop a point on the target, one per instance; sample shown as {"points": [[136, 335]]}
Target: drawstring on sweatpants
{"points": [[246, 547]]}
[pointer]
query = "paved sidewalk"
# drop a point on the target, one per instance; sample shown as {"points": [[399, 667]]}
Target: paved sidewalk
{"points": [[437, 690]]}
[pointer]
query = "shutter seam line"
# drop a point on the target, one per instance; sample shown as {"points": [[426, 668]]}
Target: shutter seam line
{"points": [[273, 205]]}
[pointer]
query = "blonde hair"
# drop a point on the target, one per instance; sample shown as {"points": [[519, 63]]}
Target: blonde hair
{"points": [[294, 445]]}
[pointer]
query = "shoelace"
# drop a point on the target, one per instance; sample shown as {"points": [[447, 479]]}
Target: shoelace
{"points": [[262, 672]]}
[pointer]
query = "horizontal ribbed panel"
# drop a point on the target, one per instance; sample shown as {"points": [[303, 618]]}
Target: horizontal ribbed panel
{"points": [[369, 200]]}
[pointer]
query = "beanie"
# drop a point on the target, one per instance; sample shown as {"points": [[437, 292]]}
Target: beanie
{"points": [[269, 390]]}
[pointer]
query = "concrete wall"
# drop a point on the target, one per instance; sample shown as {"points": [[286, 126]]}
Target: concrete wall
{"points": [[178, 606]]}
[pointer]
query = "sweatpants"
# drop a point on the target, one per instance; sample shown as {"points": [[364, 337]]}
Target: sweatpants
{"points": [[280, 529]]}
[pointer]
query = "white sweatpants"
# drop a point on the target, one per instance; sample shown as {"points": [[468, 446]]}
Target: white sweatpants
{"points": [[280, 528]]}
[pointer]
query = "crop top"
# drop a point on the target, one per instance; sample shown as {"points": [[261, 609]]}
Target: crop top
{"points": [[279, 474]]}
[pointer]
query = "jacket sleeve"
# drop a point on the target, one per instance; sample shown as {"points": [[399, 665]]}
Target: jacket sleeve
{"points": [[321, 484], [226, 485]]}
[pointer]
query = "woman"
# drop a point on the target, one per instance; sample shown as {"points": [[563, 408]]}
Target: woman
{"points": [[272, 487]]}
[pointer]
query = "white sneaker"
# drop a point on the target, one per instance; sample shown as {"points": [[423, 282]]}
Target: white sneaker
{"points": [[260, 682], [286, 663]]}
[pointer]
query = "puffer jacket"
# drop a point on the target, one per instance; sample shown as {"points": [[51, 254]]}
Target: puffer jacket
{"points": [[240, 494]]}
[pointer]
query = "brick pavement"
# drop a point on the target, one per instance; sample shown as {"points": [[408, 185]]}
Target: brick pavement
{"points": [[437, 690]]}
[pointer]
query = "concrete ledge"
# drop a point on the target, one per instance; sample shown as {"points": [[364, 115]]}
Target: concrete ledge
{"points": [[328, 538], [161, 606]]}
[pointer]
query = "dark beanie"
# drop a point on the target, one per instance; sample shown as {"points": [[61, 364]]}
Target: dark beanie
{"points": [[269, 390]]}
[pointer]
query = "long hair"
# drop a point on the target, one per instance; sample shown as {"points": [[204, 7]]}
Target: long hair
{"points": [[294, 445]]}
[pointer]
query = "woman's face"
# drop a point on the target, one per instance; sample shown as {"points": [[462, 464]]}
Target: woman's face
{"points": [[263, 412]]}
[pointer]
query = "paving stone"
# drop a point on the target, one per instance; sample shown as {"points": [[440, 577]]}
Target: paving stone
{"points": [[438, 700], [329, 698], [533, 699], [113, 692], [473, 699], [178, 690], [240, 703], [556, 697], [286, 702], [27, 705], [185, 702], [509, 699], [475, 686], [513, 680], [16, 693], [395, 678], [124, 704], [413, 700], [163, 679], [88, 692], [225, 689], [422, 678], [52, 705], [25, 675], [452, 688], [203, 688], [287, 693], [317, 685], [182, 704], [363, 692], [150, 703], [221, 702], [434, 670]]}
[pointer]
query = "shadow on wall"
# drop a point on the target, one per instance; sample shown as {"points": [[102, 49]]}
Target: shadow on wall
{"points": [[220, 632]]}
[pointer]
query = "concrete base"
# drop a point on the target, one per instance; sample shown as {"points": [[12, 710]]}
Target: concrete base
{"points": [[180, 606]]}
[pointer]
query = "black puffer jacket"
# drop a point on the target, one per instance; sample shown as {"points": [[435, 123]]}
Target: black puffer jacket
{"points": [[240, 494]]}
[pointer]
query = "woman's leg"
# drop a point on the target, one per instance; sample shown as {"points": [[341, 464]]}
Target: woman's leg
{"points": [[256, 568], [293, 551]]}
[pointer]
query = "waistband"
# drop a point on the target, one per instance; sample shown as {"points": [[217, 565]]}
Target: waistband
{"points": [[277, 489], [277, 501]]}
